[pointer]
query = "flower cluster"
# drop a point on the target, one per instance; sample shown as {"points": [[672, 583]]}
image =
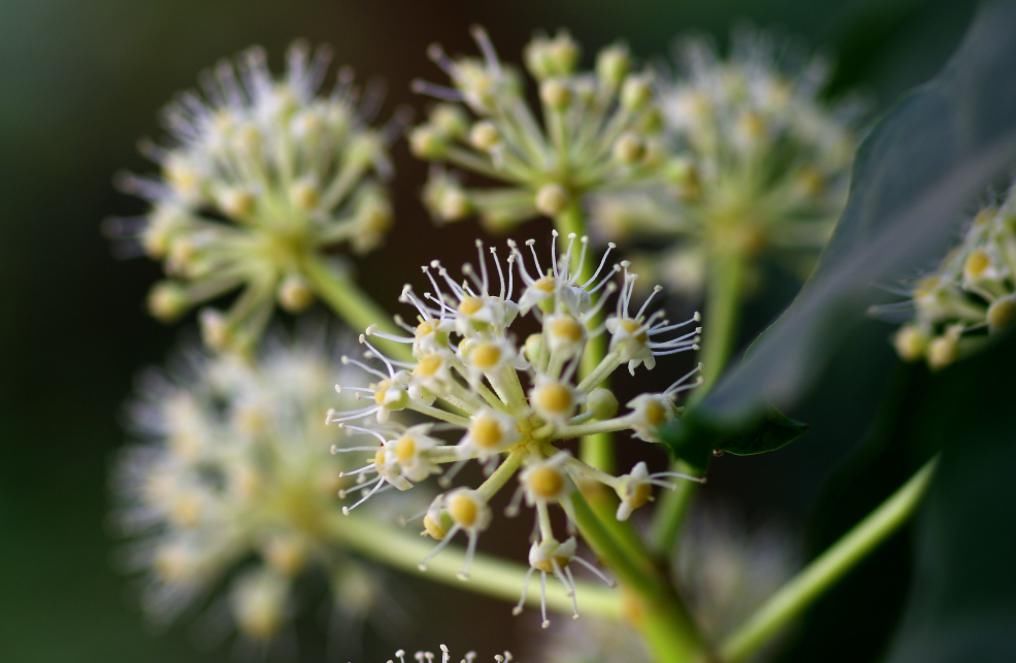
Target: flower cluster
{"points": [[446, 657], [971, 294], [484, 396], [233, 484], [594, 130], [262, 175], [760, 163]]}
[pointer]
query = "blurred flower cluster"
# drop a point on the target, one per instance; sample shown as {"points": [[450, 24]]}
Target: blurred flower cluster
{"points": [[232, 484], [446, 657], [261, 176], [594, 130], [760, 163], [971, 295], [485, 397]]}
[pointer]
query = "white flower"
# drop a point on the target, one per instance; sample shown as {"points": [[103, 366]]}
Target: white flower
{"points": [[757, 162], [446, 656], [970, 295], [510, 408], [260, 174], [596, 129], [232, 483]]}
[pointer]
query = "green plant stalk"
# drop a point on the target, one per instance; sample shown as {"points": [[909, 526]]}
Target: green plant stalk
{"points": [[726, 286], [490, 576], [658, 612], [351, 304], [596, 449], [795, 596]]}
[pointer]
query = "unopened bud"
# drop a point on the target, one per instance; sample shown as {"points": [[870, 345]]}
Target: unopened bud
{"points": [[551, 199]]}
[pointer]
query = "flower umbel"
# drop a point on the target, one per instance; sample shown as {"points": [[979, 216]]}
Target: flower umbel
{"points": [[970, 296], [485, 397], [260, 175], [446, 657], [594, 130], [760, 163], [234, 484]]}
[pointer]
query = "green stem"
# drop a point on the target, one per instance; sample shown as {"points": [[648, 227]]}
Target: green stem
{"points": [[726, 285], [659, 612], [493, 577], [596, 449], [351, 304], [794, 597]]}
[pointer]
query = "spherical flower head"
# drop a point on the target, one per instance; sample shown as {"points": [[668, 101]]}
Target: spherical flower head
{"points": [[261, 175], [592, 130], [511, 408], [232, 483], [969, 297], [757, 162]]}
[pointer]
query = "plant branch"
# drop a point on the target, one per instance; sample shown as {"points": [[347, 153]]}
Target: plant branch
{"points": [[596, 449], [794, 597], [351, 304]]}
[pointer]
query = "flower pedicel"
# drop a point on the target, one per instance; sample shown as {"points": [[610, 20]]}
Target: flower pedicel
{"points": [[509, 406]]}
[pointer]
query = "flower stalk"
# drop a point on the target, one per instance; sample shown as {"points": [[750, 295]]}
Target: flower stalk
{"points": [[830, 567], [491, 576]]}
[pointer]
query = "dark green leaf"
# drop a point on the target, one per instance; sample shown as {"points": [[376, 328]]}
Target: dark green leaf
{"points": [[917, 176]]}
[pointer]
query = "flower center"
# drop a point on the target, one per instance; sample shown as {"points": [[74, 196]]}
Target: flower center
{"points": [[545, 482], [470, 305], [405, 449], [463, 510], [486, 432], [566, 328], [428, 366], [553, 397], [485, 356]]}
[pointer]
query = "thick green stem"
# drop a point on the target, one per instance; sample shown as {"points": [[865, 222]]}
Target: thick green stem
{"points": [[498, 578], [657, 611], [794, 597], [351, 304], [725, 289], [596, 449]]}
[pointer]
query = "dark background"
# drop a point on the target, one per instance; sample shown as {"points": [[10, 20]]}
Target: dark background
{"points": [[81, 82]]}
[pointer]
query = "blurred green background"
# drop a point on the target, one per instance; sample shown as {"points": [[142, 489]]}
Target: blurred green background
{"points": [[82, 82]]}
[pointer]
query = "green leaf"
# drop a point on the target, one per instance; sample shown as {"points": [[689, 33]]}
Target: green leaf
{"points": [[917, 176]]}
